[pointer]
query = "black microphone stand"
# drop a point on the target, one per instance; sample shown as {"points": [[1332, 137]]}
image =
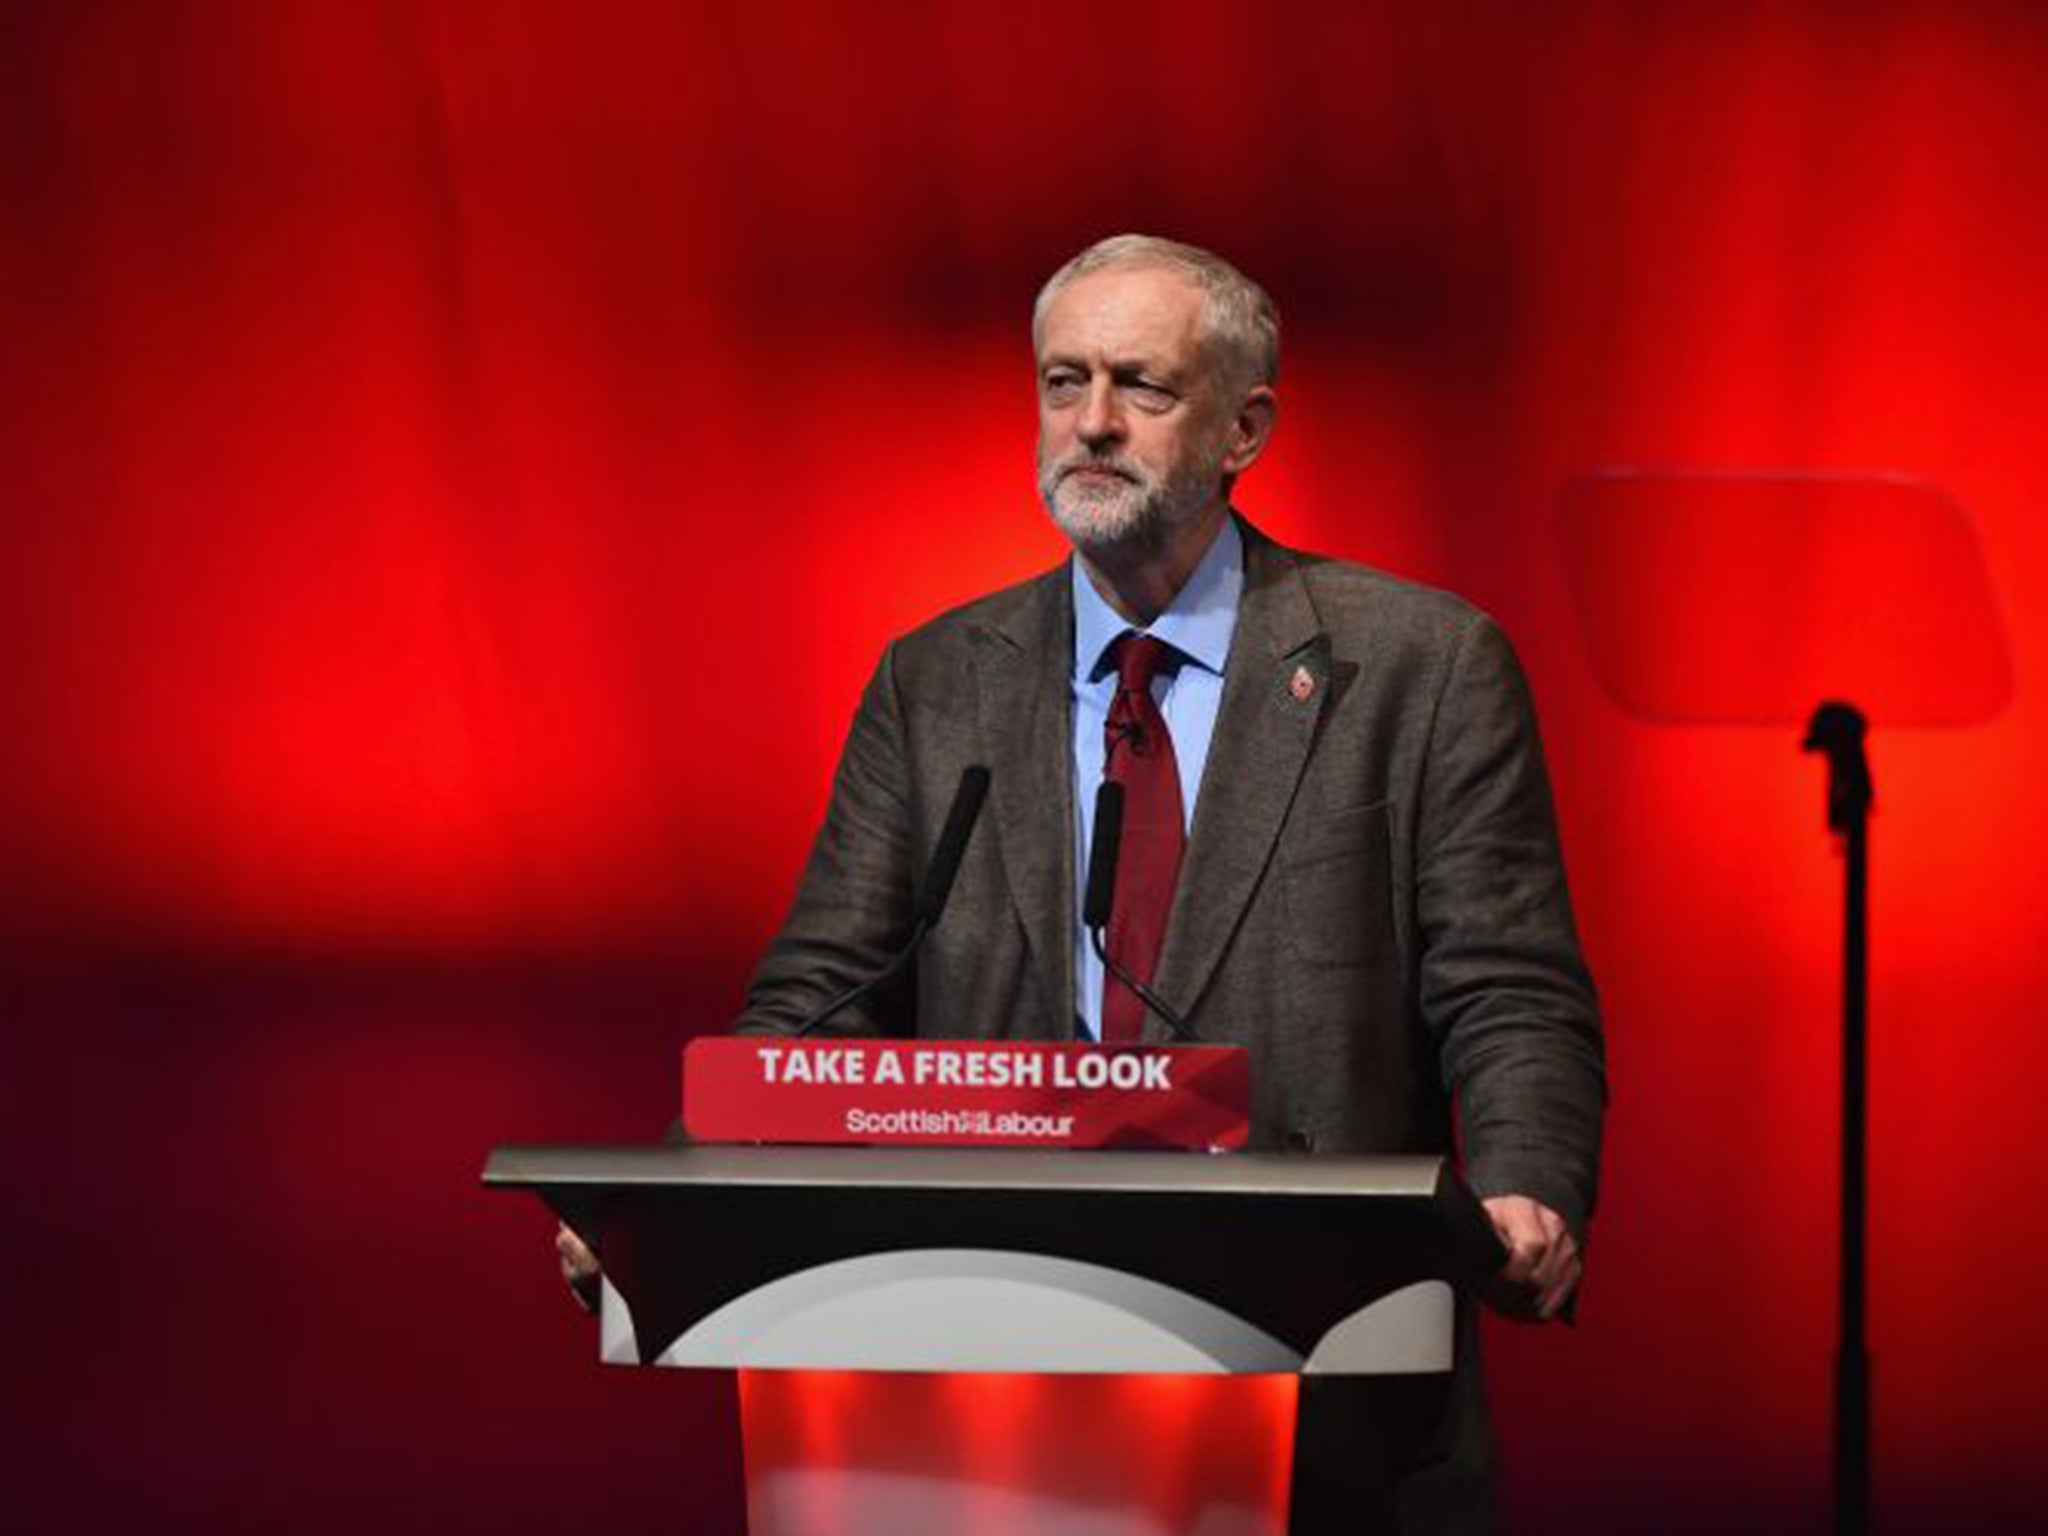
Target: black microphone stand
{"points": [[928, 904], [1838, 730], [1100, 899]]}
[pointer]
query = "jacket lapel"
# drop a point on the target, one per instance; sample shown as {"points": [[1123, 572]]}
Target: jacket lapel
{"points": [[1024, 709], [1274, 690]]}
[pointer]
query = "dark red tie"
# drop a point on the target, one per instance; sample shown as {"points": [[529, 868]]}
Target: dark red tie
{"points": [[1138, 754]]}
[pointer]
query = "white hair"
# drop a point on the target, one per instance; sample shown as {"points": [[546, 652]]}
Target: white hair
{"points": [[1240, 322]]}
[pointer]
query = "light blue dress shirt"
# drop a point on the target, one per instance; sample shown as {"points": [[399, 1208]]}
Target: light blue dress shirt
{"points": [[1198, 624]]}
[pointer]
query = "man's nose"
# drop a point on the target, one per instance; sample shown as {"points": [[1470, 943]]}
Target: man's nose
{"points": [[1102, 420]]}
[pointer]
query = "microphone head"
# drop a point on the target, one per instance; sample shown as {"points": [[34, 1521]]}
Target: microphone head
{"points": [[952, 845], [1102, 854]]}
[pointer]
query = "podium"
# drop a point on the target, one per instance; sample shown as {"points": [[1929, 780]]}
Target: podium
{"points": [[1107, 1303]]}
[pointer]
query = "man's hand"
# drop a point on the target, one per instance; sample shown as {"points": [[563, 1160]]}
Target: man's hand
{"points": [[580, 1270], [1543, 1258]]}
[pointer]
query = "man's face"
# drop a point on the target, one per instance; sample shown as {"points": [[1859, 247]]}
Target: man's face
{"points": [[1132, 426]]}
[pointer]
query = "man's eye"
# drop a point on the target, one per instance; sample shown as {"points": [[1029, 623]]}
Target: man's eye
{"points": [[1152, 397], [1061, 386]]}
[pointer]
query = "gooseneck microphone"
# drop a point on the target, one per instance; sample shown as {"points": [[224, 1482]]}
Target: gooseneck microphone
{"points": [[1103, 848], [930, 901], [952, 846]]}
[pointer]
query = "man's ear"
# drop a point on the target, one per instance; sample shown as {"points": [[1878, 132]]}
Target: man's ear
{"points": [[1251, 429]]}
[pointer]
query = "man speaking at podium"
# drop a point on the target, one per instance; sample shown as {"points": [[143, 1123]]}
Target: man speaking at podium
{"points": [[1338, 847]]}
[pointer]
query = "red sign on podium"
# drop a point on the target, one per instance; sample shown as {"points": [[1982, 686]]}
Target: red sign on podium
{"points": [[965, 1093]]}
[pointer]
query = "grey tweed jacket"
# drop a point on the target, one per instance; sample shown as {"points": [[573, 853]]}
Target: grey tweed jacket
{"points": [[1371, 900]]}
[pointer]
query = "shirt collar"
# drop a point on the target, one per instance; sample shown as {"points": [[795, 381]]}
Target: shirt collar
{"points": [[1198, 623]]}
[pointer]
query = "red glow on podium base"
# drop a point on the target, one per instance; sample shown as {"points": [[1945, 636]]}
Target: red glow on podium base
{"points": [[833, 1453]]}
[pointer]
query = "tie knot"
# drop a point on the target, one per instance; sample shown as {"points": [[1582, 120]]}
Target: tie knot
{"points": [[1138, 660]]}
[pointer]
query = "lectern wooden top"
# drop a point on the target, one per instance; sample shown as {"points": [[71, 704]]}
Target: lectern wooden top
{"points": [[1263, 1175]]}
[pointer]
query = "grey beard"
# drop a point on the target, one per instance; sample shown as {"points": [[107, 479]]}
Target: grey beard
{"points": [[1137, 515]]}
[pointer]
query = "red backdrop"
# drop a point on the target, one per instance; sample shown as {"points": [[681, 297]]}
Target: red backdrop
{"points": [[458, 461]]}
